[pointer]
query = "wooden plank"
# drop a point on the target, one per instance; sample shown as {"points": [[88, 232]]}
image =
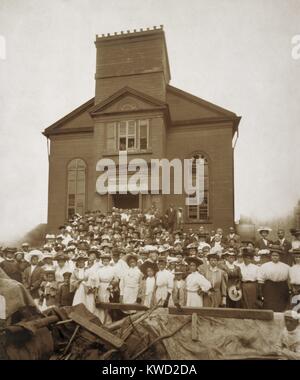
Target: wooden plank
{"points": [[266, 315], [103, 334], [194, 327], [121, 306]]}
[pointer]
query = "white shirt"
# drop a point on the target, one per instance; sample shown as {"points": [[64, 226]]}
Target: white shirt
{"points": [[238, 264], [150, 284], [295, 244], [60, 271], [66, 240], [294, 274], [106, 273], [131, 279], [164, 279], [249, 272], [281, 241], [32, 268], [120, 268], [196, 281], [265, 241], [273, 271]]}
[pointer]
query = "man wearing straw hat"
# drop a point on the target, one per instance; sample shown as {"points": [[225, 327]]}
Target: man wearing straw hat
{"points": [[263, 242], [33, 274]]}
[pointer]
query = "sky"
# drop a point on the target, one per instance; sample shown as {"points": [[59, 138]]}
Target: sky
{"points": [[236, 54]]}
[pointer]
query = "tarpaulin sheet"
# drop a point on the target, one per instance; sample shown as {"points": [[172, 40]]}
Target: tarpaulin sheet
{"points": [[15, 295], [217, 338]]}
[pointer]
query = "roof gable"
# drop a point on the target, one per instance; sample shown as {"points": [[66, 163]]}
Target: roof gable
{"points": [[126, 100], [184, 106], [79, 120]]}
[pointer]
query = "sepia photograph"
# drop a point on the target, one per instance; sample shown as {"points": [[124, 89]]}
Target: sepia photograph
{"points": [[150, 189]]}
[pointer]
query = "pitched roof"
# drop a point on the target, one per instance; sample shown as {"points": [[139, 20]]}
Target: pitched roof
{"points": [[53, 129], [100, 107], [210, 113], [200, 101]]}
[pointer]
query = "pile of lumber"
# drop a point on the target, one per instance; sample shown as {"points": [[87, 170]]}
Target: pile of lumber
{"points": [[73, 333]]}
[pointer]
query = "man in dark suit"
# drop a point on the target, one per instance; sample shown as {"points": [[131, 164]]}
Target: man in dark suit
{"points": [[233, 236], [10, 266], [264, 242], [34, 274], [171, 217], [285, 255]]}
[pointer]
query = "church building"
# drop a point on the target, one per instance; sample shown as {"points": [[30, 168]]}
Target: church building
{"points": [[136, 109]]}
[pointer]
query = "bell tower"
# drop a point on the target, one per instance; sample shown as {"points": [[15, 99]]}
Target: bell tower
{"points": [[137, 59]]}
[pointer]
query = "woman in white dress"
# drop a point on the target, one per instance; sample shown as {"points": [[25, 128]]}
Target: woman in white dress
{"points": [[105, 276], [61, 267], [131, 281], [196, 284], [83, 285], [164, 284]]}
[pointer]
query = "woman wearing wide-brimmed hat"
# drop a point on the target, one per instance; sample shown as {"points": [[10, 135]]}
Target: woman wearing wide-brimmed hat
{"points": [[61, 266], [81, 285], [234, 276], [249, 279], [196, 283], [273, 282], [216, 296], [105, 278], [130, 281]]}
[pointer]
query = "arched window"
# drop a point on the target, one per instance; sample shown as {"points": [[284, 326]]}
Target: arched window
{"points": [[200, 212], [76, 187]]}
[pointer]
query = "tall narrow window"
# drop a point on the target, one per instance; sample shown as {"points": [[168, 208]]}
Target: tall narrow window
{"points": [[200, 212], [143, 134], [76, 187]]}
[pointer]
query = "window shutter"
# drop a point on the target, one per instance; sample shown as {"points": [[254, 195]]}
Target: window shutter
{"points": [[111, 136]]}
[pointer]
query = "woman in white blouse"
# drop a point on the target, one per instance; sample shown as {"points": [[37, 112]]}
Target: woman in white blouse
{"points": [[196, 283], [294, 277], [249, 279], [273, 282]]}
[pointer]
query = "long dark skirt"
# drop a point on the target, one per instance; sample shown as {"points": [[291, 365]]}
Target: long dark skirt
{"points": [[276, 295], [249, 297], [233, 304]]}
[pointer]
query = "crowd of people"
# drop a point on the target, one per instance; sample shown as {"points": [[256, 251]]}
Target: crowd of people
{"points": [[130, 257]]}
